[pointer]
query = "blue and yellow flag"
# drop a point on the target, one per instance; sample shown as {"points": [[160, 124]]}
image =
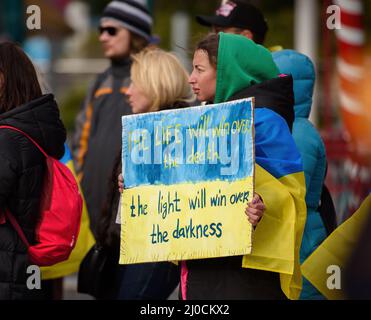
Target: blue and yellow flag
{"points": [[279, 176], [335, 251], [280, 181], [84, 242]]}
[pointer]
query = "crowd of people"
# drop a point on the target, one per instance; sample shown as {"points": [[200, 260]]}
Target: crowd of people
{"points": [[229, 63]]}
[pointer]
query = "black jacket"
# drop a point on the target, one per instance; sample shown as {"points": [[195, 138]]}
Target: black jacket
{"points": [[97, 139], [276, 94], [21, 177]]}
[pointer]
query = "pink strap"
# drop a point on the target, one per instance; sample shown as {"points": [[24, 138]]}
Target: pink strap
{"points": [[17, 228], [2, 218], [26, 135], [183, 279]]}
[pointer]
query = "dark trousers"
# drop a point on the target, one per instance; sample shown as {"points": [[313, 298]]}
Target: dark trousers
{"points": [[225, 279], [148, 281]]}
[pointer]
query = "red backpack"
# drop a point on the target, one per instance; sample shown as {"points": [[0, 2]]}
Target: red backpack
{"points": [[60, 213]]}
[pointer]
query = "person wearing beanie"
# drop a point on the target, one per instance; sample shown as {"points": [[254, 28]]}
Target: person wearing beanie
{"points": [[125, 28], [238, 17]]}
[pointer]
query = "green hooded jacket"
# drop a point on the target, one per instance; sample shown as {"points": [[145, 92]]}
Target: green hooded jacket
{"points": [[272, 270], [252, 64]]}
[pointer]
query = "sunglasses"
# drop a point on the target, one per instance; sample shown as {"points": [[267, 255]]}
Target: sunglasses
{"points": [[112, 31]]}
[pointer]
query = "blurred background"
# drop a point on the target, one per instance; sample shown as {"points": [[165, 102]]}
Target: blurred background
{"points": [[67, 52]]}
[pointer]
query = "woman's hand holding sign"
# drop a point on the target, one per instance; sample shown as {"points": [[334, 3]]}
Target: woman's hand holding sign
{"points": [[255, 210], [120, 179]]}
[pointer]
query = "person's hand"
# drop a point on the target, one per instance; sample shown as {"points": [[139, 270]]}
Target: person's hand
{"points": [[120, 179], [255, 210]]}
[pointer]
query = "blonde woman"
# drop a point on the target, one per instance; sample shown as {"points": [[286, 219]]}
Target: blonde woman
{"points": [[159, 82]]}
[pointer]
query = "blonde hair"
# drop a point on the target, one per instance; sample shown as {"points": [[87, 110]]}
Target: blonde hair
{"points": [[161, 77]]}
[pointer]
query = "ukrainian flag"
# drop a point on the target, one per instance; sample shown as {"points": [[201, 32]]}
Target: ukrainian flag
{"points": [[279, 176], [335, 251], [279, 180], [84, 242]]}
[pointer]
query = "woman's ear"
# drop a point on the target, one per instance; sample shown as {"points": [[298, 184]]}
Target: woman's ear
{"points": [[247, 33]]}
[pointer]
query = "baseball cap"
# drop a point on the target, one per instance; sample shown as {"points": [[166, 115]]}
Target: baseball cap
{"points": [[239, 15]]}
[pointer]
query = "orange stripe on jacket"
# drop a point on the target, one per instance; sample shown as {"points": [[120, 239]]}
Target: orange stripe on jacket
{"points": [[87, 125], [102, 91]]}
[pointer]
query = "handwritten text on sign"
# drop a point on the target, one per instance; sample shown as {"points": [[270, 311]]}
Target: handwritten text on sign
{"points": [[188, 176]]}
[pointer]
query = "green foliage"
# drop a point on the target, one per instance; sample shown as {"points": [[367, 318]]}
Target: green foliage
{"points": [[92, 48], [281, 26], [97, 6], [71, 104], [164, 9], [279, 14]]}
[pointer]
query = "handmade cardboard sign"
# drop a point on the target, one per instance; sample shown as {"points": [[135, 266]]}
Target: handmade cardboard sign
{"points": [[188, 175]]}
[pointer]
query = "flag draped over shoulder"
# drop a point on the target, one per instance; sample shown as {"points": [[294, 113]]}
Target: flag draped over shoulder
{"points": [[245, 69], [280, 181], [335, 251], [84, 242]]}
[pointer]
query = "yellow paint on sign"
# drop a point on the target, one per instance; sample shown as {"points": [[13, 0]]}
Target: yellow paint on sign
{"points": [[185, 221]]}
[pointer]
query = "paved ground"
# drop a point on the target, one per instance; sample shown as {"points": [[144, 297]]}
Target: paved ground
{"points": [[70, 290]]}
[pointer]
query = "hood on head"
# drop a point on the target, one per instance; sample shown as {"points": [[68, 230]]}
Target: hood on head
{"points": [[302, 70], [276, 94], [40, 120], [241, 64]]}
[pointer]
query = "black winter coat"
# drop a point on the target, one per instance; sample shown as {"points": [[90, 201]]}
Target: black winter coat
{"points": [[97, 139], [22, 167]]}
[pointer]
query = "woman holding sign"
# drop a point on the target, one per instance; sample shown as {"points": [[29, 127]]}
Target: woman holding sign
{"points": [[228, 67], [159, 82]]}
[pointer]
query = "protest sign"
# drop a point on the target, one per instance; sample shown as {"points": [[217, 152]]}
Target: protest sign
{"points": [[188, 175]]}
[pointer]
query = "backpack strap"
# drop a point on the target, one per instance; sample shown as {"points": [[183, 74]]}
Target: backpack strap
{"points": [[13, 221], [17, 227], [26, 135]]}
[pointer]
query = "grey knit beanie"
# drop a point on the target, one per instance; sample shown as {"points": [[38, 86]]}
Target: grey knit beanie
{"points": [[132, 15]]}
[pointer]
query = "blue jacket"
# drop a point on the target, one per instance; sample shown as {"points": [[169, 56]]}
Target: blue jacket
{"points": [[312, 150]]}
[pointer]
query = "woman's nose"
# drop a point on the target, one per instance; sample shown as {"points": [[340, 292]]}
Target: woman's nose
{"points": [[128, 92], [191, 78]]}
